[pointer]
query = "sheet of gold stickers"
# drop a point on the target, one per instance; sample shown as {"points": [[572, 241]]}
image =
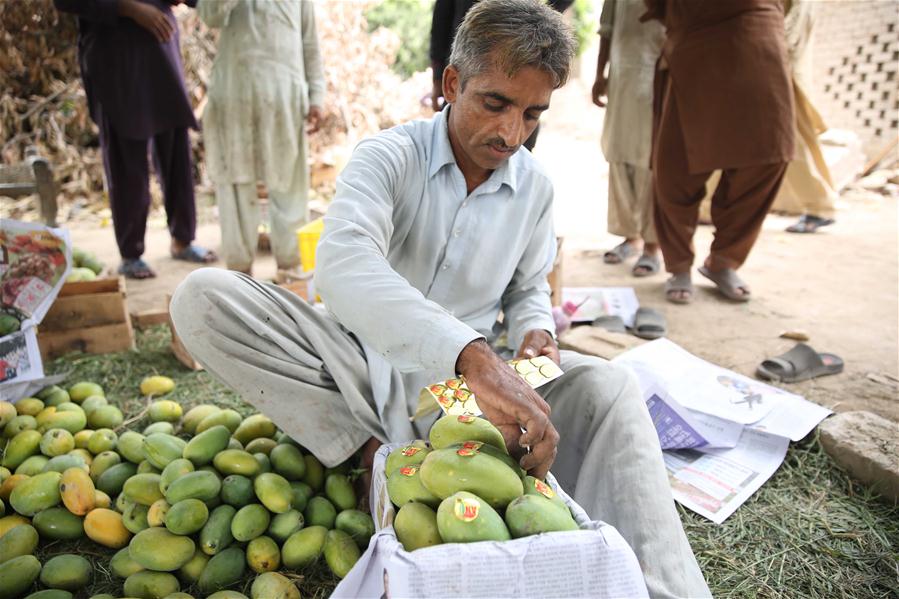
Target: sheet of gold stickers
{"points": [[455, 398]]}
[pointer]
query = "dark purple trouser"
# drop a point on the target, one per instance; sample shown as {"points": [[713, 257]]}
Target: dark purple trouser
{"points": [[128, 180]]}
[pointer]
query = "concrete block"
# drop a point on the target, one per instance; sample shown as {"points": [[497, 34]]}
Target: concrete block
{"points": [[867, 446]]}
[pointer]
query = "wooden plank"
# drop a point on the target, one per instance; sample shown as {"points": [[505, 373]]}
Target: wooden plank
{"points": [[176, 346], [96, 286], [92, 340], [82, 311], [149, 318]]}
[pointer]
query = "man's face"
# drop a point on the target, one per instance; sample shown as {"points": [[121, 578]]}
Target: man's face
{"points": [[494, 114]]}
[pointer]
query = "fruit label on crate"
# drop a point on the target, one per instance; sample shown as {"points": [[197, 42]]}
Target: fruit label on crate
{"points": [[456, 399], [466, 509]]}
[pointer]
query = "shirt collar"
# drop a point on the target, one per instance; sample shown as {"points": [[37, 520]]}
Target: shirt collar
{"points": [[442, 154]]}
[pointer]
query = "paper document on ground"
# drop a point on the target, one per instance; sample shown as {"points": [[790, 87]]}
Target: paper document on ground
{"points": [[20, 360], [594, 302], [793, 418], [715, 482], [680, 428], [700, 385]]}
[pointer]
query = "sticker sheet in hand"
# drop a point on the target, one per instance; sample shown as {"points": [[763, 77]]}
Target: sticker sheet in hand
{"points": [[455, 398]]}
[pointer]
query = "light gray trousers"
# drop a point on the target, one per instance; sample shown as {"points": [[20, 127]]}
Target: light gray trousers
{"points": [[306, 372]]}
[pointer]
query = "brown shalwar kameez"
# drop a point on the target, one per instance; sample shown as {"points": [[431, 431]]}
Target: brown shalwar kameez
{"points": [[723, 100]]}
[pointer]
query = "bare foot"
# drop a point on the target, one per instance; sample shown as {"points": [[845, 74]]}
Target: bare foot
{"points": [[679, 288]]}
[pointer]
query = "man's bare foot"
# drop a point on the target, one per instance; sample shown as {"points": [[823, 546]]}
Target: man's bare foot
{"points": [[679, 288]]}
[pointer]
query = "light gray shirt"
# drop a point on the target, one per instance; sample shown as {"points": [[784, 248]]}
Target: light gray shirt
{"points": [[417, 268]]}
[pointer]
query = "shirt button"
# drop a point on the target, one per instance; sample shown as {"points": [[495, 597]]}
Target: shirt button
{"points": [[444, 267], [465, 203], [457, 232]]}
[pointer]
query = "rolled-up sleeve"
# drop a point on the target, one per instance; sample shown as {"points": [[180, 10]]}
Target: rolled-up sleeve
{"points": [[355, 279], [312, 59]]}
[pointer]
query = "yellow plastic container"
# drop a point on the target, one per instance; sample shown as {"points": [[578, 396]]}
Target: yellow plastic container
{"points": [[307, 238]]}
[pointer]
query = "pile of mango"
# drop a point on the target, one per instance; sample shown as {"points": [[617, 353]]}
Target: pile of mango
{"points": [[85, 266], [193, 501], [465, 487]]}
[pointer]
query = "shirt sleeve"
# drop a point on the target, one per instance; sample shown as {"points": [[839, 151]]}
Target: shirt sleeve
{"points": [[312, 59], [354, 278], [101, 11], [215, 13], [526, 301]]}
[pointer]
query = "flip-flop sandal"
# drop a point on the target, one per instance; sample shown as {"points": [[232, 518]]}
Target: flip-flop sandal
{"points": [[646, 265], [799, 364], [675, 284], [809, 223], [619, 253], [727, 281], [649, 324], [135, 268], [611, 323], [196, 254]]}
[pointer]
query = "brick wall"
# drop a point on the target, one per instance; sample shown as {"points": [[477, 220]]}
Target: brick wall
{"points": [[856, 58]]}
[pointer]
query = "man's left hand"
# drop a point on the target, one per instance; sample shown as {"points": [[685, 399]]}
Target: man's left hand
{"points": [[539, 343], [314, 118]]}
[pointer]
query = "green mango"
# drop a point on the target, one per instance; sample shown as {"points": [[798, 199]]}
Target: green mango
{"points": [[101, 440], [284, 525], [237, 490], [250, 522], [320, 512], [533, 514], [51, 593], [58, 524], [36, 493], [227, 594], [20, 424], [70, 420], [271, 585], [357, 524], [84, 389], [303, 547], [175, 470], [273, 491], [122, 565], [228, 418], [451, 430], [288, 461], [315, 472], [404, 485], [341, 552], [533, 486], [165, 410], [191, 571], [143, 488], [67, 572], [106, 416], [416, 526], [446, 471], [261, 445], [134, 517], [216, 534], [301, 494], [194, 415], [21, 447], [465, 518], [339, 490], [158, 549], [265, 464], [160, 449], [113, 478], [33, 465], [201, 484], [92, 403], [151, 585], [201, 449], [236, 461], [253, 427], [186, 517], [61, 463], [223, 570], [166, 428], [408, 455], [102, 462], [131, 446], [53, 395], [263, 555], [21, 540], [57, 441], [17, 575]]}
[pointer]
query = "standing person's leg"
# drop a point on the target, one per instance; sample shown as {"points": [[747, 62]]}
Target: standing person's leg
{"points": [[128, 184], [289, 360], [287, 213], [622, 218], [648, 263], [739, 208], [611, 463], [171, 158], [677, 193], [239, 219]]}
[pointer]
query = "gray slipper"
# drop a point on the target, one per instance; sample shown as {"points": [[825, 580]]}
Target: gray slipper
{"points": [[611, 323], [649, 263], [727, 281], [619, 253], [679, 282], [799, 364], [649, 324]]}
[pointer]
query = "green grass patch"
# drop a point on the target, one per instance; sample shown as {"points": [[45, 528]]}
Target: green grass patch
{"points": [[810, 532]]}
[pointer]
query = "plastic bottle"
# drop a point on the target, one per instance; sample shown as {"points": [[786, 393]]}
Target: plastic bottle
{"points": [[562, 316]]}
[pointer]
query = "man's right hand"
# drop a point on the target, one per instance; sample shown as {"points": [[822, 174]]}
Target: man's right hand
{"points": [[600, 86], [510, 405], [149, 17]]}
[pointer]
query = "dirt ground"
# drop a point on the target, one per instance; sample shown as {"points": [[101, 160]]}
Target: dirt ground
{"points": [[840, 285]]}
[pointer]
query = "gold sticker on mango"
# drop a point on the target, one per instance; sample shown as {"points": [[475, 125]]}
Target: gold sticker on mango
{"points": [[465, 418], [466, 452], [408, 470], [437, 389], [474, 445], [446, 402], [466, 509], [462, 394], [544, 489], [410, 451], [454, 383]]}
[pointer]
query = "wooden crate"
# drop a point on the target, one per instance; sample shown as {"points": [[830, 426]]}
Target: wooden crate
{"points": [[89, 316]]}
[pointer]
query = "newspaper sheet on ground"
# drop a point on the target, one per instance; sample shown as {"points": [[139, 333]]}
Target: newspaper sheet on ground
{"points": [[594, 302], [34, 263], [593, 562], [680, 428], [715, 482]]}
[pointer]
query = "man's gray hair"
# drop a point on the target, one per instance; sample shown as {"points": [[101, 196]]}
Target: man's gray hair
{"points": [[510, 35]]}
